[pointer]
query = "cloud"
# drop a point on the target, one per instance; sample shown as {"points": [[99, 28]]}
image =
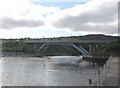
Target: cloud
{"points": [[22, 13], [97, 16], [10, 23], [91, 17]]}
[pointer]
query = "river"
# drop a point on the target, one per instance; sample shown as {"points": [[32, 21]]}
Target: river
{"points": [[44, 71]]}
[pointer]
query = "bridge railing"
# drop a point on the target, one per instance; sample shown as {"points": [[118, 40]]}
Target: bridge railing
{"points": [[67, 40]]}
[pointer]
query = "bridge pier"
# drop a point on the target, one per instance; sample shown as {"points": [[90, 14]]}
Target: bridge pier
{"points": [[35, 48], [92, 48]]}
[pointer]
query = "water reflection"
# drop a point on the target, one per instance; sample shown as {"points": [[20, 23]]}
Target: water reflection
{"points": [[29, 71]]}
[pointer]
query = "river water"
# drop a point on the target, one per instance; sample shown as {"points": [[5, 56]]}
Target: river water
{"points": [[36, 71]]}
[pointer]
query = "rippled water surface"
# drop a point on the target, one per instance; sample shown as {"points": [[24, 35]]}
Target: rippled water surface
{"points": [[0, 72], [35, 71]]}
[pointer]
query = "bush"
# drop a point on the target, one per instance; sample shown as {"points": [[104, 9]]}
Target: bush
{"points": [[16, 46]]}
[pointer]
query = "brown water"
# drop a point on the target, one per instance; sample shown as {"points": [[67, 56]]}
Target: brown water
{"points": [[34, 71]]}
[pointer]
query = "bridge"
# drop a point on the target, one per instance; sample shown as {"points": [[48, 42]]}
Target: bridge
{"points": [[74, 42], [67, 40]]}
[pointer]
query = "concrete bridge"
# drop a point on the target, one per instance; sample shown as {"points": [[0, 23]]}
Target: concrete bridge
{"points": [[74, 42], [67, 40]]}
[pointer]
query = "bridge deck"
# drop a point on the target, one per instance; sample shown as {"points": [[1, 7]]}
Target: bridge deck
{"points": [[68, 40]]}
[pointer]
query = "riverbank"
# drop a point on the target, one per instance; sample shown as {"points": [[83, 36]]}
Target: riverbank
{"points": [[112, 73]]}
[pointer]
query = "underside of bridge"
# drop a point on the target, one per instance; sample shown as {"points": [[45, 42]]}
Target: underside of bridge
{"points": [[38, 49]]}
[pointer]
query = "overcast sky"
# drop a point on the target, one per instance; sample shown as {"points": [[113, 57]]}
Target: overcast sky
{"points": [[53, 18]]}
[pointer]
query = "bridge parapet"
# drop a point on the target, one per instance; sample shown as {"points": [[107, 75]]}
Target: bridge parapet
{"points": [[67, 40], [51, 40]]}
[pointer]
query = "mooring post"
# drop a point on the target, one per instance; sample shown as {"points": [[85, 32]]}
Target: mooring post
{"points": [[98, 77], [101, 76], [104, 73]]}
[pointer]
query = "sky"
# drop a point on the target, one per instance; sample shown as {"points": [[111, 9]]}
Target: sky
{"points": [[56, 18]]}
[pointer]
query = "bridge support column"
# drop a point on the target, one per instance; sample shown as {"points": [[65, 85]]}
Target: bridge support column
{"points": [[92, 48], [35, 48]]}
